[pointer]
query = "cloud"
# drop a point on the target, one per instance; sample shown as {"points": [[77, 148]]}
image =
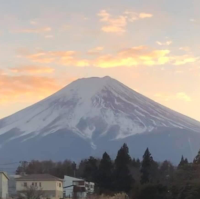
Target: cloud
{"points": [[133, 57], [178, 96], [51, 56], [183, 96], [32, 69], [167, 43], [184, 59], [118, 24], [35, 30], [15, 88], [130, 57], [20, 88], [145, 15], [186, 49], [95, 50]]}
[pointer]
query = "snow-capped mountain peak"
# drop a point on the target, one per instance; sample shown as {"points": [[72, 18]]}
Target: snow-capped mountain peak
{"points": [[92, 109]]}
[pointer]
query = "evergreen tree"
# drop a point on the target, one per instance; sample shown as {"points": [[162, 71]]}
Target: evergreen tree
{"points": [[136, 163], [146, 167], [182, 162], [122, 177], [197, 159], [91, 170], [105, 174], [186, 161]]}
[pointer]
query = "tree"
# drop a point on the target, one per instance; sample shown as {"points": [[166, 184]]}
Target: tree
{"points": [[122, 177], [166, 172], [197, 159], [146, 167], [105, 173], [136, 163], [31, 193], [183, 162], [90, 172]]}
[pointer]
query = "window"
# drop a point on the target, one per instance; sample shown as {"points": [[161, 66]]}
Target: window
{"points": [[32, 183], [25, 184], [60, 185], [36, 184], [81, 183], [40, 184]]}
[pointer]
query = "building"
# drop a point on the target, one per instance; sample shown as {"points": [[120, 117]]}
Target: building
{"points": [[3, 185], [77, 186], [51, 187], [12, 185]]}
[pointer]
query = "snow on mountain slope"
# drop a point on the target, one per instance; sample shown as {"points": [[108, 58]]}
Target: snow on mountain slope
{"points": [[92, 106]]}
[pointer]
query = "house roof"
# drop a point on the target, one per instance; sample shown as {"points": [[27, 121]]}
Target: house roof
{"points": [[39, 177], [4, 174]]}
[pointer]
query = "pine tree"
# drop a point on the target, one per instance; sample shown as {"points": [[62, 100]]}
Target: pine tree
{"points": [[186, 161], [197, 159], [105, 173], [122, 176], [136, 163], [91, 170], [146, 167], [182, 162]]}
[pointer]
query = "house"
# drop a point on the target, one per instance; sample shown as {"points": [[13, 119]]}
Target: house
{"points": [[12, 185], [77, 186], [3, 185], [51, 187]]}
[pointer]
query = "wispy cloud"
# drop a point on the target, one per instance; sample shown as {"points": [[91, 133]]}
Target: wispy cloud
{"points": [[32, 69], [166, 43], [96, 50], [145, 15], [34, 30], [117, 24], [184, 59], [130, 57]]}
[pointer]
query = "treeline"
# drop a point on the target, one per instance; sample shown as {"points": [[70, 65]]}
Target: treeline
{"points": [[141, 179]]}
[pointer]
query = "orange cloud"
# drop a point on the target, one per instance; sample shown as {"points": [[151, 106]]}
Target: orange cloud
{"points": [[118, 24], [135, 56], [33, 69], [184, 59], [95, 50], [35, 30], [51, 56], [145, 15], [32, 88]]}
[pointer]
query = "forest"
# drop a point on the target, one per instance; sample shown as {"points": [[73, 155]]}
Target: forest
{"points": [[140, 179]]}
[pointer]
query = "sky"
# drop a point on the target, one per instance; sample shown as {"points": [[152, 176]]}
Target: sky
{"points": [[151, 46]]}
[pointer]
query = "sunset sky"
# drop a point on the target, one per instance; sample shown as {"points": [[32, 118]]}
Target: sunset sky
{"points": [[152, 46]]}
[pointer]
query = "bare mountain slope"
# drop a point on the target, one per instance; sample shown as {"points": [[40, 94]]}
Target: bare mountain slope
{"points": [[95, 114]]}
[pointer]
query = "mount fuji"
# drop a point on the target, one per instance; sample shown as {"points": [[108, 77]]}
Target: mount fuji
{"points": [[93, 115]]}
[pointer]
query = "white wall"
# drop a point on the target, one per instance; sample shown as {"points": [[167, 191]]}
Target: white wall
{"points": [[3, 186], [67, 182], [45, 185]]}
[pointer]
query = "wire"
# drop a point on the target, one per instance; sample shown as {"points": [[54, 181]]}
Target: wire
{"points": [[10, 163]]}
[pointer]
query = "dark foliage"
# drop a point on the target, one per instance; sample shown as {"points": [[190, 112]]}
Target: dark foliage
{"points": [[140, 179]]}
